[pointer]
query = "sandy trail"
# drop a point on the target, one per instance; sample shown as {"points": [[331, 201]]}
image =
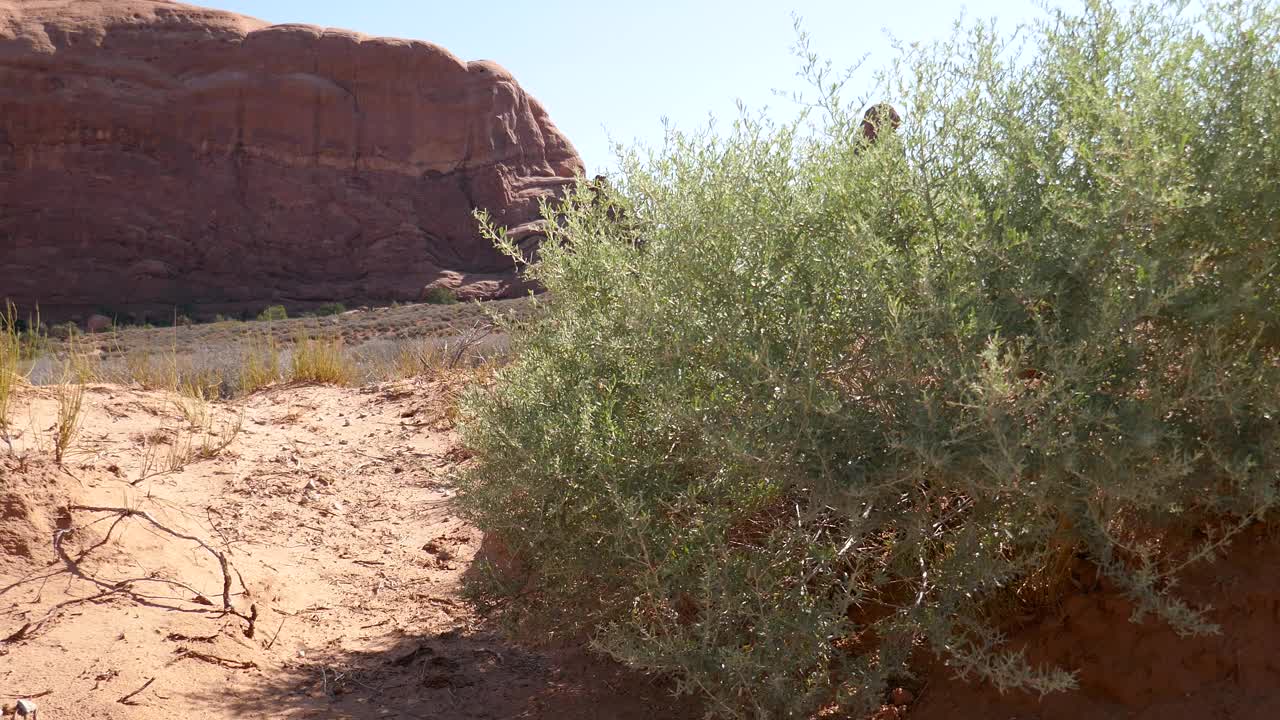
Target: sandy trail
{"points": [[333, 505]]}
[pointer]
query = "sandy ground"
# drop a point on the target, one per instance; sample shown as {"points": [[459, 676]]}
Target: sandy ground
{"points": [[333, 509]]}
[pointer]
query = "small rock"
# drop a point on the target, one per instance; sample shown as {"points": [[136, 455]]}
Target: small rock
{"points": [[25, 709], [98, 323], [435, 548]]}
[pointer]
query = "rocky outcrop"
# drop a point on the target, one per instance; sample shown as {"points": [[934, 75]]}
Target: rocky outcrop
{"points": [[155, 154]]}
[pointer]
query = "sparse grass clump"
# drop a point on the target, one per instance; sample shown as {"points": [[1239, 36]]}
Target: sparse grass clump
{"points": [[804, 404], [334, 308], [259, 363], [65, 331], [415, 358], [10, 360], [152, 371], [320, 360], [69, 392]]}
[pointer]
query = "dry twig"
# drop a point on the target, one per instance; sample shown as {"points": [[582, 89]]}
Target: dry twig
{"points": [[128, 699], [126, 586], [186, 652]]}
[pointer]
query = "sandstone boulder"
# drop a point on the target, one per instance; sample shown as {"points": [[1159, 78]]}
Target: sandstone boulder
{"points": [[98, 323], [156, 155]]}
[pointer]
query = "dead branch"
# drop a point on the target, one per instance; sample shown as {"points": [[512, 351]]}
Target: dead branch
{"points": [[30, 696], [465, 342], [278, 629], [128, 699], [186, 652], [127, 586], [179, 637]]}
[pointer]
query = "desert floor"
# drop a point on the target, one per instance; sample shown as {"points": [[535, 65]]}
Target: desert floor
{"points": [[332, 507]]}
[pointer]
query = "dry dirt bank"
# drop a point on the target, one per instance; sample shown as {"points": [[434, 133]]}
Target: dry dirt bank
{"points": [[332, 507]]}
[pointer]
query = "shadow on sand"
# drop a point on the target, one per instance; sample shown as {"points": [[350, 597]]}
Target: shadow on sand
{"points": [[454, 676], [469, 671]]}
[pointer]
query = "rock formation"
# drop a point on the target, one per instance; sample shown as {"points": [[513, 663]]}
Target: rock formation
{"points": [[156, 155]]}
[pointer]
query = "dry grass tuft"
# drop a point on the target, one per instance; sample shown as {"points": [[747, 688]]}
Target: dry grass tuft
{"points": [[259, 363], [70, 394], [151, 371], [10, 356], [321, 360]]}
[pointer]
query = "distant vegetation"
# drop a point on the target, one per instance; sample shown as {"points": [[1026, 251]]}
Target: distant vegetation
{"points": [[274, 312], [440, 296], [804, 405], [183, 317], [335, 308], [228, 359]]}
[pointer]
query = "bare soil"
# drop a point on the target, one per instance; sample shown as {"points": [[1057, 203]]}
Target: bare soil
{"points": [[333, 508], [1144, 670]]}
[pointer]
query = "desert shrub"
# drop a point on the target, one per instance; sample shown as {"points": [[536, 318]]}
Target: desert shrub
{"points": [[320, 360], [438, 296], [805, 404], [274, 312], [334, 308]]}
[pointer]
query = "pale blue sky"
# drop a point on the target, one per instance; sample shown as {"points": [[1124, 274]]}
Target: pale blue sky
{"points": [[605, 68]]}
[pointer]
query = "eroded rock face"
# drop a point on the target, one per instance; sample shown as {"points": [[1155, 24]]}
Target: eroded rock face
{"points": [[155, 154]]}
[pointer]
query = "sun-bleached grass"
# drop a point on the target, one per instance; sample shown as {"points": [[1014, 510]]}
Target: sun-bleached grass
{"points": [[259, 363], [70, 395], [10, 360], [203, 432], [197, 376], [321, 360]]}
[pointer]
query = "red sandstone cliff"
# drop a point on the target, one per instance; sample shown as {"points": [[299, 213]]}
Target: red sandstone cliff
{"points": [[155, 154]]}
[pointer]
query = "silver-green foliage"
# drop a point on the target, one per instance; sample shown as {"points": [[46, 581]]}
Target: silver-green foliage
{"points": [[802, 406]]}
